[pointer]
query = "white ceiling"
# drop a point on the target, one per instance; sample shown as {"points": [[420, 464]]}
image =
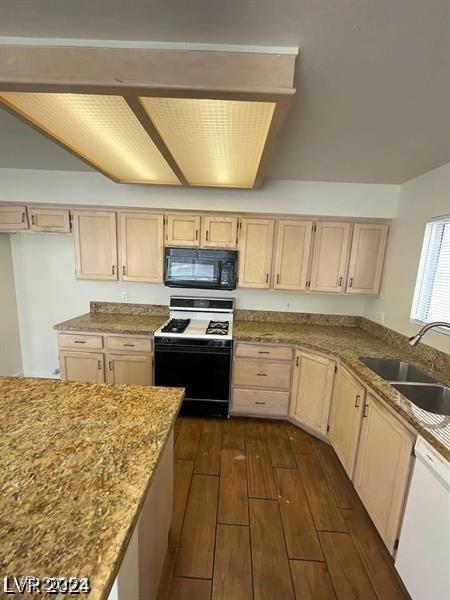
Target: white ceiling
{"points": [[372, 78]]}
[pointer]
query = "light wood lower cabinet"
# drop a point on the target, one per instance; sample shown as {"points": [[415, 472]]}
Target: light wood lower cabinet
{"points": [[262, 375], [382, 468], [129, 369], [121, 359], [345, 418], [82, 366], [312, 390]]}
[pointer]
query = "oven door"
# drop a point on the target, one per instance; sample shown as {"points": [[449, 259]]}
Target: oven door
{"points": [[192, 271], [204, 372]]}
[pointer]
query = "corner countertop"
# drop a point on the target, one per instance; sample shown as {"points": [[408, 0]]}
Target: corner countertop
{"points": [[348, 344], [113, 323], [76, 460]]}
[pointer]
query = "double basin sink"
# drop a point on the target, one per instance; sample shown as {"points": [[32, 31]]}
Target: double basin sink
{"points": [[423, 391]]}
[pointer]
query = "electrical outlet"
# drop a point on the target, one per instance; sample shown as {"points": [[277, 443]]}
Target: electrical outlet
{"points": [[125, 296]]}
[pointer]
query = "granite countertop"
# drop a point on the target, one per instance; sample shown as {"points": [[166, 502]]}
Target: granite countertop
{"points": [[104, 322], [76, 461], [348, 344]]}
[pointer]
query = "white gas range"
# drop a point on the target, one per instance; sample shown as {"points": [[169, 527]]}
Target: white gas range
{"points": [[193, 349]]}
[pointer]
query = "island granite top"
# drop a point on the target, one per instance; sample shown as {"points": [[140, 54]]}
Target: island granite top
{"points": [[76, 461]]}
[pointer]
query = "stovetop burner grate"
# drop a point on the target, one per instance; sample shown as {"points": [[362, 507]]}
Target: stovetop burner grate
{"points": [[217, 328], [176, 326]]}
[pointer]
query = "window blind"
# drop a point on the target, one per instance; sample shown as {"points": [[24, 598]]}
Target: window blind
{"points": [[432, 294]]}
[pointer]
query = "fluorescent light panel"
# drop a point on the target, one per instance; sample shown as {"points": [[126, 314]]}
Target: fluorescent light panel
{"points": [[102, 129], [214, 142]]}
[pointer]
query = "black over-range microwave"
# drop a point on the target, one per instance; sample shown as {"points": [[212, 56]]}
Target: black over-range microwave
{"points": [[201, 269]]}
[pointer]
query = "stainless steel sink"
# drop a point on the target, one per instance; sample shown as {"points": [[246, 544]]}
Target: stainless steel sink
{"points": [[432, 398], [392, 369]]}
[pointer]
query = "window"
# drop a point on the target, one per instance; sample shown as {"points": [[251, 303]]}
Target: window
{"points": [[432, 294]]}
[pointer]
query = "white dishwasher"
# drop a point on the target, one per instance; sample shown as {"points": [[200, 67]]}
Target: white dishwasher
{"points": [[423, 557]]}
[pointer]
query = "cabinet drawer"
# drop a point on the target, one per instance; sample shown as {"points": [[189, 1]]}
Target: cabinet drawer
{"points": [[262, 374], [263, 351], [260, 402], [80, 341], [130, 344]]}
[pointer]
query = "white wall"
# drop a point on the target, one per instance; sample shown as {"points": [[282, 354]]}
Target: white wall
{"points": [[295, 197], [421, 199], [10, 358]]}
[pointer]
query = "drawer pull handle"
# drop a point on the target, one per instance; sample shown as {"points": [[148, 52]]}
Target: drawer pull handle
{"points": [[267, 277], [366, 408], [350, 284], [278, 278], [23, 217], [256, 402], [99, 365], [33, 220], [80, 341], [129, 345], [263, 352], [207, 235], [261, 374], [357, 400], [340, 282], [110, 365], [124, 270]]}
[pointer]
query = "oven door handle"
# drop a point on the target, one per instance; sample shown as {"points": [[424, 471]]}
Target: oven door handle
{"points": [[192, 350]]}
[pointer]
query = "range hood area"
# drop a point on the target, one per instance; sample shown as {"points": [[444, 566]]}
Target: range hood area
{"points": [[146, 116]]}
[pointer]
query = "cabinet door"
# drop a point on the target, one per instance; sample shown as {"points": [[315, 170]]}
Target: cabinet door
{"points": [[292, 254], [129, 369], [345, 420], [330, 255], [81, 366], [219, 232], [382, 468], [49, 220], [183, 230], [13, 218], [95, 244], [255, 260], [313, 386], [141, 246], [366, 258]]}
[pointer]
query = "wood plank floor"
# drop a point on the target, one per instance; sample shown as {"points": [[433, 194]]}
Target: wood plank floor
{"points": [[263, 510]]}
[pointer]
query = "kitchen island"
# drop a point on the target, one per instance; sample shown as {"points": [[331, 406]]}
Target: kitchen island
{"points": [[86, 483]]}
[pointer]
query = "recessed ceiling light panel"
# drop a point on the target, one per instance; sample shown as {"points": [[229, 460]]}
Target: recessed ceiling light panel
{"points": [[101, 129], [214, 142]]}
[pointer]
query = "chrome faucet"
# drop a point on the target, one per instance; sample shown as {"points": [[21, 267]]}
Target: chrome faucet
{"points": [[415, 339]]}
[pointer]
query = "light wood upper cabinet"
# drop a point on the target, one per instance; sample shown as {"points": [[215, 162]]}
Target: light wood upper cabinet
{"points": [[182, 230], [129, 369], [81, 366], [330, 253], [382, 468], [255, 259], [141, 246], [345, 418], [49, 220], [219, 231], [13, 218], [312, 390], [292, 254], [95, 244], [366, 258]]}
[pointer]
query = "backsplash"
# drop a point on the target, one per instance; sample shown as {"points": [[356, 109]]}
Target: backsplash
{"points": [[422, 352]]}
